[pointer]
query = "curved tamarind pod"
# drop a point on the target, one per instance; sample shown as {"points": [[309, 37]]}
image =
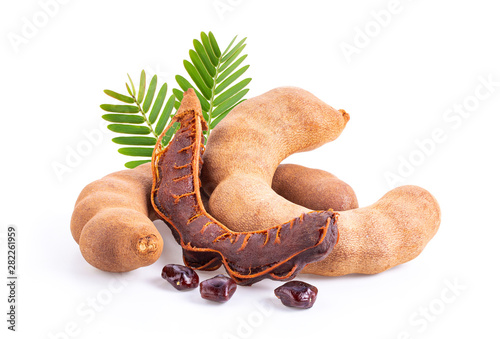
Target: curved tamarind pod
{"points": [[245, 148], [390, 232], [112, 221], [313, 188], [278, 252]]}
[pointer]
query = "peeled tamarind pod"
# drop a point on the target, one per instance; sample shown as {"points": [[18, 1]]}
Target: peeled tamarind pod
{"points": [[390, 232], [313, 188], [278, 252], [112, 221], [245, 148]]}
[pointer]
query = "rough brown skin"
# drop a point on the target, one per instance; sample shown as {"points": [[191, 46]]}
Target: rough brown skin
{"points": [[278, 252], [313, 188], [390, 232], [243, 153], [245, 148], [112, 221]]}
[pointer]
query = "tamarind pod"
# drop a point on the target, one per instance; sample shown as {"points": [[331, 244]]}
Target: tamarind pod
{"points": [[278, 252], [313, 188], [112, 221], [392, 231], [245, 148]]}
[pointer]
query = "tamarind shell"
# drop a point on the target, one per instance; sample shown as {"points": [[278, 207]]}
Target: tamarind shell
{"points": [[278, 252], [390, 232], [112, 221], [313, 188]]}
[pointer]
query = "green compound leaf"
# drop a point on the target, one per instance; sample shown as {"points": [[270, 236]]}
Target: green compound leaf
{"points": [[213, 76]]}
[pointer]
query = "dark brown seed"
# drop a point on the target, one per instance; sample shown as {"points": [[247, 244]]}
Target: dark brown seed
{"points": [[181, 277], [297, 294], [219, 288]]}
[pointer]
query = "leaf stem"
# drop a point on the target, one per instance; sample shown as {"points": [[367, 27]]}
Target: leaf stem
{"points": [[144, 116], [212, 97]]}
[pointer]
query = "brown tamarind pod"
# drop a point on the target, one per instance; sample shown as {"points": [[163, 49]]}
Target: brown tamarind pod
{"points": [[112, 221], [246, 147], [392, 231], [313, 188], [277, 252]]}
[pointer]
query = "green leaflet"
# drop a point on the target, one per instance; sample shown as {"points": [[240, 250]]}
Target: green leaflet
{"points": [[125, 118], [135, 141], [215, 77], [120, 108], [136, 151], [135, 163]]}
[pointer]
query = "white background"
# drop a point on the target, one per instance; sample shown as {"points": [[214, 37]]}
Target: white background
{"points": [[428, 59]]}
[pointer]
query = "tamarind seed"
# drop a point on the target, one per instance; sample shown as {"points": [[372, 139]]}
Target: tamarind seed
{"points": [[180, 277], [219, 288], [297, 294]]}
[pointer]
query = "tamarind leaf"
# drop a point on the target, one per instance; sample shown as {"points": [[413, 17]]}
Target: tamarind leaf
{"points": [[135, 141], [223, 114], [129, 129], [212, 73], [160, 99], [200, 50], [198, 64], [214, 44], [231, 91], [120, 108], [142, 87], [135, 163], [230, 44], [165, 115], [129, 90], [208, 48], [193, 73], [118, 96], [132, 85], [231, 59], [213, 76], [229, 54], [125, 118], [137, 151], [231, 79], [184, 84], [231, 68], [150, 94], [229, 102]]}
